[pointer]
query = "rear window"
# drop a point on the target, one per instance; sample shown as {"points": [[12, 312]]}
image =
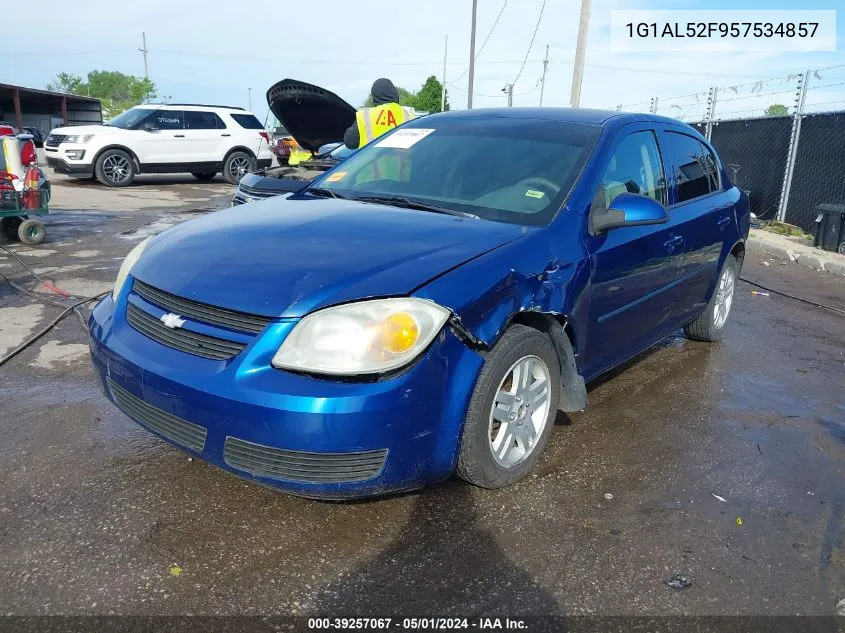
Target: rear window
{"points": [[198, 120], [248, 121]]}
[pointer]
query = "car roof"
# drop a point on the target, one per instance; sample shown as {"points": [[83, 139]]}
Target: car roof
{"points": [[586, 116], [192, 107]]}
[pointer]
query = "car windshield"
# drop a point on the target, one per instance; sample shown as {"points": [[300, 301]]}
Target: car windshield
{"points": [[130, 118], [503, 168]]}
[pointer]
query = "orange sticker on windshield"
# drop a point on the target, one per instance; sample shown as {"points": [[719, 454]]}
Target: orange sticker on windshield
{"points": [[334, 177]]}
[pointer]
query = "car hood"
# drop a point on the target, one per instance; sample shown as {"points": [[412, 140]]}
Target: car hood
{"points": [[285, 258], [313, 116], [84, 129]]}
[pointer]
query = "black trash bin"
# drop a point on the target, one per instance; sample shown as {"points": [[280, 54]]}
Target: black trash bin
{"points": [[830, 227]]}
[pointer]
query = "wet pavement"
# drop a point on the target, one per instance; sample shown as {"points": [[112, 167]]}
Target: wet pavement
{"points": [[720, 462]]}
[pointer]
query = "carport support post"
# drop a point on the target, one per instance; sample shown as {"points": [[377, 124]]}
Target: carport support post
{"points": [[18, 114], [64, 111], [800, 98]]}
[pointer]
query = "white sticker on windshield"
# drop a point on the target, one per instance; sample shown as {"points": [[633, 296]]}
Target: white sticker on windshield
{"points": [[403, 139]]}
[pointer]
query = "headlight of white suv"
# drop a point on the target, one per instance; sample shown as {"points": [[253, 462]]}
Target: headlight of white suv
{"points": [[361, 338], [78, 138], [129, 261]]}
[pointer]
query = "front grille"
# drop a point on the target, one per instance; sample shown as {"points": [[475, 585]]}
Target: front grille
{"points": [[251, 193], [180, 338], [175, 429], [239, 321], [299, 466], [54, 140]]}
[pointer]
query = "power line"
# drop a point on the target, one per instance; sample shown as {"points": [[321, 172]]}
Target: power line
{"points": [[466, 70], [528, 52]]}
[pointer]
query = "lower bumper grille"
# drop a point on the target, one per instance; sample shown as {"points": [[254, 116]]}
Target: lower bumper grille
{"points": [[300, 466], [181, 339], [175, 429]]}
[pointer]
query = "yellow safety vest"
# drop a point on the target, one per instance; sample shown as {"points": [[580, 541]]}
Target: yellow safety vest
{"points": [[298, 155], [373, 122]]}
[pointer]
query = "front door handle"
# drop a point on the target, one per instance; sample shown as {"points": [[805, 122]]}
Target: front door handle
{"points": [[672, 243], [225, 135], [723, 222], [179, 135]]}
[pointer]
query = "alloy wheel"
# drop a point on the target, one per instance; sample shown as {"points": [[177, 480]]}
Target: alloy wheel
{"points": [[724, 297], [116, 169], [520, 411], [239, 166]]}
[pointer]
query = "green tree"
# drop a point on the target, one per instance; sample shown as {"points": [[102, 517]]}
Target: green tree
{"points": [[777, 109], [428, 97], [118, 92]]}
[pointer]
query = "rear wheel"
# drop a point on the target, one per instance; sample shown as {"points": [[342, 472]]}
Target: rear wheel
{"points": [[32, 232], [237, 164], [204, 175], [115, 168], [710, 325], [512, 410], [9, 227]]}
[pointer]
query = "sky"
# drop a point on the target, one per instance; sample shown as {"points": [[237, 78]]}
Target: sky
{"points": [[214, 51]]}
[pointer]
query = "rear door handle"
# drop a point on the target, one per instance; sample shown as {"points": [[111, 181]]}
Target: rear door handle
{"points": [[672, 243], [225, 135], [179, 135]]}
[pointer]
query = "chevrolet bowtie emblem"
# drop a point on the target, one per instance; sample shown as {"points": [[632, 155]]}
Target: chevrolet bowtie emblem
{"points": [[172, 321]]}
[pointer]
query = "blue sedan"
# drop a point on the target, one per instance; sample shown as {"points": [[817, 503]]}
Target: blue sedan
{"points": [[426, 307]]}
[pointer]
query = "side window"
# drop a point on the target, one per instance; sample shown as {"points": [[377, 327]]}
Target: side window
{"points": [[168, 120], [711, 167], [203, 121], [693, 175], [635, 167]]}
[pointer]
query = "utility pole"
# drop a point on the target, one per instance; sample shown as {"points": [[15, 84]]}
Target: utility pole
{"points": [[580, 53], [144, 51], [471, 56], [250, 99], [509, 89], [443, 93], [543, 80]]}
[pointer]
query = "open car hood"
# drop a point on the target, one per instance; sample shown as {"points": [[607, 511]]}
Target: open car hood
{"points": [[313, 116]]}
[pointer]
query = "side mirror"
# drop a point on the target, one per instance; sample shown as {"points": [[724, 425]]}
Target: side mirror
{"points": [[627, 209]]}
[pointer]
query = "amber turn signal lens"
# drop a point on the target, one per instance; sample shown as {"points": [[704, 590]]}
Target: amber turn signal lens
{"points": [[400, 332]]}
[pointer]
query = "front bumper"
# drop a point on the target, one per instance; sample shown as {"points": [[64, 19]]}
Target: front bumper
{"points": [[309, 436], [57, 161]]}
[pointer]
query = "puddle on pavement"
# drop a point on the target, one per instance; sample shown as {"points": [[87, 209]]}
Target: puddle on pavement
{"points": [[157, 226]]}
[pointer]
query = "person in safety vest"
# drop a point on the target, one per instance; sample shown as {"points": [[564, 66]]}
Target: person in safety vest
{"points": [[386, 114]]}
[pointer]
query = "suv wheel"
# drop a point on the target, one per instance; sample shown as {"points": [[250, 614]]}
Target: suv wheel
{"points": [[115, 168], [710, 325], [512, 410], [204, 175], [237, 164]]}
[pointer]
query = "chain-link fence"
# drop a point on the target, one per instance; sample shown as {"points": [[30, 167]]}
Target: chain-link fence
{"points": [[781, 139]]}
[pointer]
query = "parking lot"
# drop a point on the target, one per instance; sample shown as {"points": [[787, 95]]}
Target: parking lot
{"points": [[723, 463]]}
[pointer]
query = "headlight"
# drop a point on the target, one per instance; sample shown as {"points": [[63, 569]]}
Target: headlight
{"points": [[361, 338], [78, 138], [130, 260]]}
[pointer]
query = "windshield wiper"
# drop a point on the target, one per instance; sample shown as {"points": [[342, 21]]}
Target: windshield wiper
{"points": [[324, 193], [405, 203]]}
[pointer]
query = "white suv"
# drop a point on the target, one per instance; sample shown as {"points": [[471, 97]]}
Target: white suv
{"points": [[174, 138]]}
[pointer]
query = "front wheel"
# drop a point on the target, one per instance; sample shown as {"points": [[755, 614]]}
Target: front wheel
{"points": [[237, 165], [710, 325], [32, 232], [115, 168], [512, 409]]}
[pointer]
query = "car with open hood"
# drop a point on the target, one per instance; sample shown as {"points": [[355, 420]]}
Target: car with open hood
{"points": [[426, 307], [315, 119]]}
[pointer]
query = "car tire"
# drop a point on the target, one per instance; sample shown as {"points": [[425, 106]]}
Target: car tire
{"points": [[115, 168], [236, 165], [489, 457], [204, 175], [32, 232], [710, 325], [9, 227]]}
